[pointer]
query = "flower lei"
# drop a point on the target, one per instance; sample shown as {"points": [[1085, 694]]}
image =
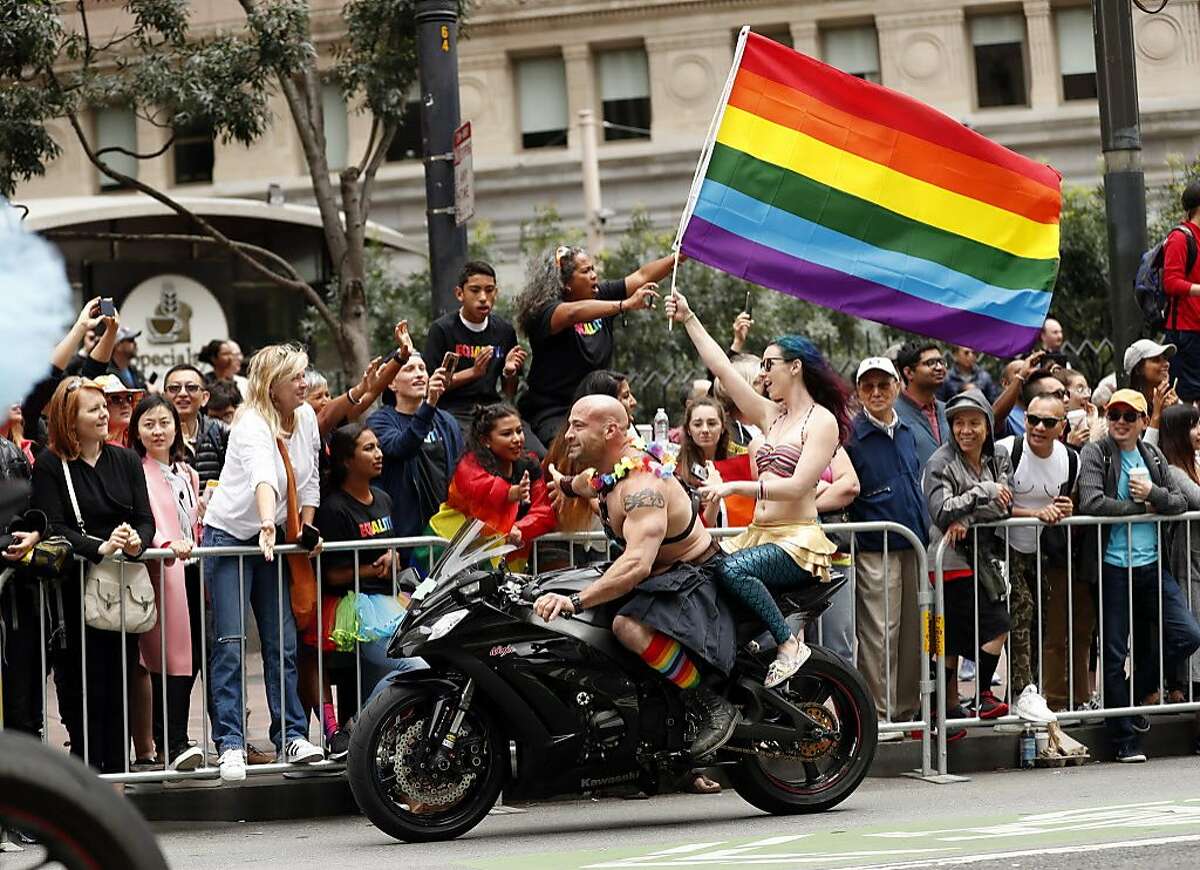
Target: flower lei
{"points": [[655, 458]]}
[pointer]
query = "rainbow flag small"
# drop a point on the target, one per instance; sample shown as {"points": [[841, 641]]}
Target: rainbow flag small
{"points": [[855, 197]]}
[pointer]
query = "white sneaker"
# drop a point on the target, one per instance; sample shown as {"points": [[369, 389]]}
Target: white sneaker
{"points": [[300, 751], [190, 759], [233, 765], [1032, 707]]}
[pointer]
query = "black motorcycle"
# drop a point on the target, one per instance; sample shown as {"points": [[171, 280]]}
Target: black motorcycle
{"points": [[538, 709]]}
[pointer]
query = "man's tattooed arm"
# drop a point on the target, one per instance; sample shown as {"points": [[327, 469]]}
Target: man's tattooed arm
{"points": [[644, 498]]}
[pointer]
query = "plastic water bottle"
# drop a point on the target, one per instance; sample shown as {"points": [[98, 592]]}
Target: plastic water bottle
{"points": [[662, 426], [1028, 748]]}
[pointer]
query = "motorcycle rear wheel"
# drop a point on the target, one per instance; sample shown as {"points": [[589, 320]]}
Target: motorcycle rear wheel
{"points": [[373, 748], [788, 787]]}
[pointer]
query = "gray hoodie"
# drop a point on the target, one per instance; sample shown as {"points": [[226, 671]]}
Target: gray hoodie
{"points": [[954, 492]]}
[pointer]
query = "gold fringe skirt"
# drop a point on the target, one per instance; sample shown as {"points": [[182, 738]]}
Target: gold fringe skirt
{"points": [[805, 542]]}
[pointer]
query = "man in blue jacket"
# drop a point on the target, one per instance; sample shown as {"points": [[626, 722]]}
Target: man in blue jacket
{"points": [[421, 445], [883, 448], [924, 371]]}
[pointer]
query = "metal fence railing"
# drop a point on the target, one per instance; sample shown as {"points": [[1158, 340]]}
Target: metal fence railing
{"points": [[1089, 569], [346, 671]]}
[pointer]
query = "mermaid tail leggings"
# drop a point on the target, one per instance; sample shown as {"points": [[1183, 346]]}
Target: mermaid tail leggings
{"points": [[749, 575]]}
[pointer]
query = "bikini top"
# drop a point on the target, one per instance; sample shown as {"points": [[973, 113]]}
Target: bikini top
{"points": [[782, 460], [674, 539], [779, 460]]}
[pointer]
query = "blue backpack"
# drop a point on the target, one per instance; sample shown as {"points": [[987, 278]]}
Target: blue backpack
{"points": [[1157, 307]]}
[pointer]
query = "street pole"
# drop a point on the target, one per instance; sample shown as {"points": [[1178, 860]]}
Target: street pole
{"points": [[1124, 183], [591, 179], [437, 56]]}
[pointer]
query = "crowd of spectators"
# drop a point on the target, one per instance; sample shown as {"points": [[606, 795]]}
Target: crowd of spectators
{"points": [[118, 463]]}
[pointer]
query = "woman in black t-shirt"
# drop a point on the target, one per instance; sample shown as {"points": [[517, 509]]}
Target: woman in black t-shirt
{"points": [[567, 313], [354, 510]]}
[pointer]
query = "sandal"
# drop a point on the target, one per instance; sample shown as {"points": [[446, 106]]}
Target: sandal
{"points": [[785, 667]]}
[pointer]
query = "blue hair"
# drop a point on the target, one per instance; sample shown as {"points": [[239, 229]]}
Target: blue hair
{"points": [[822, 381]]}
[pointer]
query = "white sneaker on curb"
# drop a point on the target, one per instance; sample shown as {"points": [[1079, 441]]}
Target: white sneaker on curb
{"points": [[189, 759], [1032, 707], [300, 751], [233, 765]]}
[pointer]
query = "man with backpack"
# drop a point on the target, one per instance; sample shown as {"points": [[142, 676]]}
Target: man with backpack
{"points": [[1122, 476], [1181, 287], [1044, 475]]}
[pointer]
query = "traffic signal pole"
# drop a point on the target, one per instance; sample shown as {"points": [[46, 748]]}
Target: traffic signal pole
{"points": [[1124, 182], [437, 56]]}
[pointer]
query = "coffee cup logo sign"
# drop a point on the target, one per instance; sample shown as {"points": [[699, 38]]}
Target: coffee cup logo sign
{"points": [[177, 316]]}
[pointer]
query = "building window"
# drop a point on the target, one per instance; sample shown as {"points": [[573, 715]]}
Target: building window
{"points": [[853, 50], [625, 93], [116, 127], [406, 144], [780, 33], [999, 45], [337, 131], [194, 154], [542, 97], [1076, 53]]}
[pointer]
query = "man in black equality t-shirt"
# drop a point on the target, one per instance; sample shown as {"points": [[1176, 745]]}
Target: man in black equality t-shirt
{"points": [[489, 358], [567, 315]]}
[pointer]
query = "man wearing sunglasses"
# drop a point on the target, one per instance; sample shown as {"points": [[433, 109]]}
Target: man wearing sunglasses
{"points": [[1044, 475], [205, 438], [1122, 476]]}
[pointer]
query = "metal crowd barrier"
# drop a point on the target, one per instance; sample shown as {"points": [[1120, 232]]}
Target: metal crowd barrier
{"points": [[1182, 524], [547, 553]]}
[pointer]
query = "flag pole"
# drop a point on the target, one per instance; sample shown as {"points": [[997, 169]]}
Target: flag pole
{"points": [[706, 154]]}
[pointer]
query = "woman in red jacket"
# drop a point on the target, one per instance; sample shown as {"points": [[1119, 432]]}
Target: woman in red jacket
{"points": [[501, 483]]}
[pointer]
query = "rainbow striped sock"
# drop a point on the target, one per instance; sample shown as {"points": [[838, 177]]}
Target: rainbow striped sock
{"points": [[667, 657]]}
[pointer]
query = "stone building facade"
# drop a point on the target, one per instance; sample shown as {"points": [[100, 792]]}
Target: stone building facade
{"points": [[1022, 73]]}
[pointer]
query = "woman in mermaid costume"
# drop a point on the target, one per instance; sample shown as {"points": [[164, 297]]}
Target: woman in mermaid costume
{"points": [[803, 419]]}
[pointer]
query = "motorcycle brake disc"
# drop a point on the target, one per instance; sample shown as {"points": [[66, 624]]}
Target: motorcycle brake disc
{"points": [[415, 785]]}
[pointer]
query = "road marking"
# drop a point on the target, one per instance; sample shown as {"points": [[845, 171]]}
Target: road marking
{"points": [[960, 860], [920, 843]]}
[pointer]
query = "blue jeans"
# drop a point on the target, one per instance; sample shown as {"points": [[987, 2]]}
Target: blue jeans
{"points": [[377, 668], [1180, 638], [260, 590]]}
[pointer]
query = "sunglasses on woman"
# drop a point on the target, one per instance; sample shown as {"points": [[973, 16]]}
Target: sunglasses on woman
{"points": [[1127, 416]]}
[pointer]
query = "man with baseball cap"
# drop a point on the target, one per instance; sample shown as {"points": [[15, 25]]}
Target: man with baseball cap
{"points": [[1123, 476], [883, 449], [122, 360]]}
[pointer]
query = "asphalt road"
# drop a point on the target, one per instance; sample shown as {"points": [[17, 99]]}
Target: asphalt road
{"points": [[1116, 816]]}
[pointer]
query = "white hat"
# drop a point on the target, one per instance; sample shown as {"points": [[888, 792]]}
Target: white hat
{"points": [[876, 363], [1144, 348]]}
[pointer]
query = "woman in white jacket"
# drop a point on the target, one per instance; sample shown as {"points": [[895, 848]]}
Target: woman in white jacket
{"points": [[273, 447]]}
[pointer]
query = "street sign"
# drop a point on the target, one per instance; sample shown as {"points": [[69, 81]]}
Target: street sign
{"points": [[464, 176]]}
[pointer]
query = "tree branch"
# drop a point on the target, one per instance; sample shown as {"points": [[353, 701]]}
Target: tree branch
{"points": [[117, 149], [313, 297], [381, 150], [366, 158], [318, 170]]}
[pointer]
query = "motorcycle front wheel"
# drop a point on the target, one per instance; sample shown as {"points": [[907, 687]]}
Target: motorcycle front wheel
{"points": [[412, 803], [816, 772]]}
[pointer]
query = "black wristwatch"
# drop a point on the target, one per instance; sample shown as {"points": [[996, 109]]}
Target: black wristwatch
{"points": [[576, 602]]}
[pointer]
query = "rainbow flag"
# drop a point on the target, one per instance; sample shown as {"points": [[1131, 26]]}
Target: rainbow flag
{"points": [[858, 198]]}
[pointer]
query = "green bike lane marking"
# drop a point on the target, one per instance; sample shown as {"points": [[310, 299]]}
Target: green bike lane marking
{"points": [[912, 845]]}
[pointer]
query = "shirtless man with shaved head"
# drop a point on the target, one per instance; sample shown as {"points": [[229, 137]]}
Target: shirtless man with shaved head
{"points": [[665, 564]]}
